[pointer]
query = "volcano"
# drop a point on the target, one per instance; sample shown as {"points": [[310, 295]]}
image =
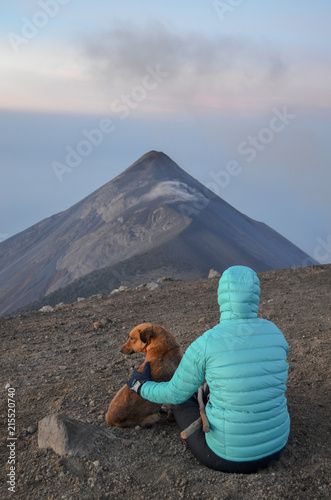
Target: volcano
{"points": [[153, 217]]}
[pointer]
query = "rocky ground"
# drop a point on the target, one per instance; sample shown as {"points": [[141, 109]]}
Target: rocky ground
{"points": [[57, 363]]}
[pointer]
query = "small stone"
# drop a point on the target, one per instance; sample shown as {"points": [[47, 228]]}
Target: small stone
{"points": [[97, 325], [81, 299], [96, 463], [31, 429], [213, 274], [165, 278], [153, 285], [201, 320]]}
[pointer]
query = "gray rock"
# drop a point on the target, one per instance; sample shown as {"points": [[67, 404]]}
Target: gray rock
{"points": [[46, 309], [60, 305], [213, 274], [69, 436], [153, 285]]}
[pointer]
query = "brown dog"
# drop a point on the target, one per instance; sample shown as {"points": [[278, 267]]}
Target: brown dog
{"points": [[127, 409]]}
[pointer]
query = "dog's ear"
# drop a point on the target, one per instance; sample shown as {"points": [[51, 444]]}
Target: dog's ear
{"points": [[146, 334]]}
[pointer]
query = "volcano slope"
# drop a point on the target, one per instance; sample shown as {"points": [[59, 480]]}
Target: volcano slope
{"points": [[58, 363]]}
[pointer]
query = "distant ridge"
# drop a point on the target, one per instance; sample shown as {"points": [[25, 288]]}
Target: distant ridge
{"points": [[152, 217]]}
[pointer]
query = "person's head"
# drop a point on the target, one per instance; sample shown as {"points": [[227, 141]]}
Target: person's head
{"points": [[239, 293]]}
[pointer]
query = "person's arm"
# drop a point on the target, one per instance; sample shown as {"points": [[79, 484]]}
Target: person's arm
{"points": [[188, 377]]}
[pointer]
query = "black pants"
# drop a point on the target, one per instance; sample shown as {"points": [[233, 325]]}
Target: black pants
{"points": [[188, 412]]}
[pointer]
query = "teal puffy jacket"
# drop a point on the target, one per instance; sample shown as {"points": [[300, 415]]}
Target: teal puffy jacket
{"points": [[243, 360]]}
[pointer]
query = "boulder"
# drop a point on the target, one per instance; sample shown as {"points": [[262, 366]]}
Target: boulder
{"points": [[46, 309], [70, 436]]}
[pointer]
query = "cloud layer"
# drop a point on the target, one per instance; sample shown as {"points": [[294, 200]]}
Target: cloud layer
{"points": [[200, 68]]}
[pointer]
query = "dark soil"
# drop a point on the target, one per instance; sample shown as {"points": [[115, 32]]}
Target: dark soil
{"points": [[57, 362]]}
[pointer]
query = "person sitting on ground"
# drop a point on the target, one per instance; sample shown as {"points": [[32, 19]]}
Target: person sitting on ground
{"points": [[243, 360]]}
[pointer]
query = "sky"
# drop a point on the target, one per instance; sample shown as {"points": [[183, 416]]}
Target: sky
{"points": [[237, 92]]}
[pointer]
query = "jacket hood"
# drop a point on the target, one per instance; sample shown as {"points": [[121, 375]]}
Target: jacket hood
{"points": [[239, 293]]}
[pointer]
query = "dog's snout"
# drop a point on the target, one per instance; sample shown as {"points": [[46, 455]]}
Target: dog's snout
{"points": [[121, 349]]}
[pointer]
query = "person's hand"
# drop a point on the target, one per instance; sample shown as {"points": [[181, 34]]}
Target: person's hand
{"points": [[137, 379]]}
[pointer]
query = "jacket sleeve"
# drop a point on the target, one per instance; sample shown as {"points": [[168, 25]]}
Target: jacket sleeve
{"points": [[188, 377]]}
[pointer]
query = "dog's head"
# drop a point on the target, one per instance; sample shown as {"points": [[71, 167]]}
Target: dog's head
{"points": [[139, 339]]}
